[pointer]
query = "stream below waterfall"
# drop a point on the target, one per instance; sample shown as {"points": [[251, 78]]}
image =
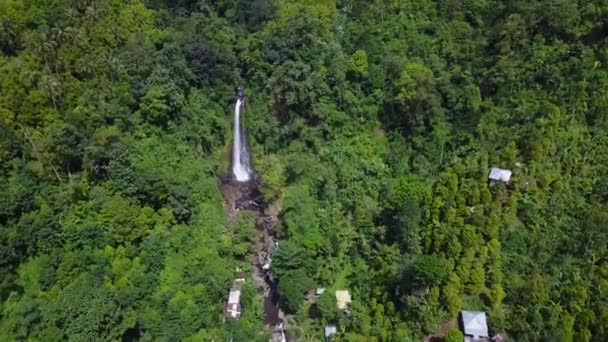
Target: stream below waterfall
{"points": [[240, 196]]}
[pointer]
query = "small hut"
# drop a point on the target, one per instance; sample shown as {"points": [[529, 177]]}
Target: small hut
{"points": [[498, 175], [474, 326]]}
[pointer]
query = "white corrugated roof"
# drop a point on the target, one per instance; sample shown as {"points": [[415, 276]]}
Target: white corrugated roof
{"points": [[475, 323], [498, 174], [234, 297]]}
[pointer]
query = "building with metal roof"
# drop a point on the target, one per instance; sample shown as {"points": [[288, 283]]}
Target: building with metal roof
{"points": [[474, 326], [499, 175], [330, 331]]}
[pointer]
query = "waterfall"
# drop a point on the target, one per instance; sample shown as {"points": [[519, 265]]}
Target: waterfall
{"points": [[241, 168]]}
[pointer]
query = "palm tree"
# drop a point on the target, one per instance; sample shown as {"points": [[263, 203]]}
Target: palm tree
{"points": [[51, 84]]}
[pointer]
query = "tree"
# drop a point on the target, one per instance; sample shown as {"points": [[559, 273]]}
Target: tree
{"points": [[103, 147], [407, 188], [84, 309], [452, 294], [295, 90], [416, 97], [453, 335], [288, 257], [298, 32], [162, 104], [327, 306], [273, 173], [68, 146], [255, 12], [300, 217], [429, 270], [292, 287], [244, 234], [358, 62]]}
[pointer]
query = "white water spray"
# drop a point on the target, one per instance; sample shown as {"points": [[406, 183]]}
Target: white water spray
{"points": [[241, 168]]}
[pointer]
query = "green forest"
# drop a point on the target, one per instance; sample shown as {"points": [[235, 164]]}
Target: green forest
{"points": [[373, 126]]}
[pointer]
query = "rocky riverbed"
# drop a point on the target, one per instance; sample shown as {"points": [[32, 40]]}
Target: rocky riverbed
{"points": [[240, 196]]}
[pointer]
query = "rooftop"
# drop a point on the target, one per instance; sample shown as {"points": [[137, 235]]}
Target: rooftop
{"points": [[343, 299], [500, 175], [474, 324], [330, 330], [234, 297]]}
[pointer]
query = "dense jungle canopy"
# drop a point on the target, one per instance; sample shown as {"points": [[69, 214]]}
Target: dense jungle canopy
{"points": [[373, 125]]}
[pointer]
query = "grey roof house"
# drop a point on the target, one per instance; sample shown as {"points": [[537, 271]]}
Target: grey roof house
{"points": [[499, 175], [474, 326]]}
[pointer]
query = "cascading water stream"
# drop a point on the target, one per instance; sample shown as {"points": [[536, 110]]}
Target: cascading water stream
{"points": [[241, 165], [241, 193]]}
